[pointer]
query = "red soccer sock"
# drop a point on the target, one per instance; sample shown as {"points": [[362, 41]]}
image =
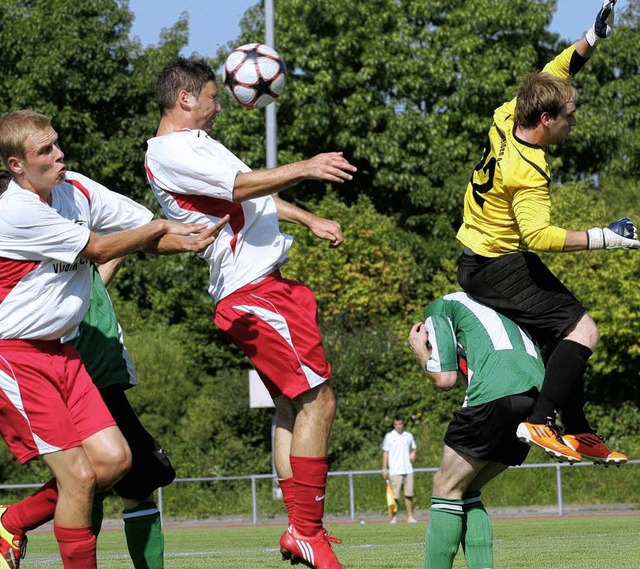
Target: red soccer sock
{"points": [[288, 495], [33, 511], [77, 547], [310, 482]]}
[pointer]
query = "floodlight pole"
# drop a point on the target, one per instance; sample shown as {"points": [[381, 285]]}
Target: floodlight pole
{"points": [[271, 121]]}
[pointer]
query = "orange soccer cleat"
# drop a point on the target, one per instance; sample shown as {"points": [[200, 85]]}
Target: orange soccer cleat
{"points": [[549, 439], [314, 552], [12, 547], [592, 446]]}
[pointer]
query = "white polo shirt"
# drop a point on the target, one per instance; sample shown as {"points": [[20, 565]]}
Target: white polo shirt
{"points": [[399, 447]]}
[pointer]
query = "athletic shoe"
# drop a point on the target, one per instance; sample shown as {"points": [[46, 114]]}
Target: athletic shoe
{"points": [[393, 520], [412, 521], [592, 446], [314, 552], [548, 438], [12, 547]]}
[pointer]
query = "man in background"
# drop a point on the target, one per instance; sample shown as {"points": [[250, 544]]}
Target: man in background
{"points": [[398, 455]]}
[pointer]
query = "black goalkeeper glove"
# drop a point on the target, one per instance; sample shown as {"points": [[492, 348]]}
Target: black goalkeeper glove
{"points": [[603, 26], [620, 234]]}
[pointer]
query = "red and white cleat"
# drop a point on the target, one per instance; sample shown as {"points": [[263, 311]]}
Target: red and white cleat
{"points": [[314, 552]]}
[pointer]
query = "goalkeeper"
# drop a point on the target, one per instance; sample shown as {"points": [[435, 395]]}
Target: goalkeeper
{"points": [[507, 213]]}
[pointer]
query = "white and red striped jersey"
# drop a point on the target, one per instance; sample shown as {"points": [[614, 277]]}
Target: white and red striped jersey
{"points": [[193, 175], [44, 286]]}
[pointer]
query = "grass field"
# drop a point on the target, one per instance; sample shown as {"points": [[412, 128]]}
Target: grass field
{"points": [[599, 542]]}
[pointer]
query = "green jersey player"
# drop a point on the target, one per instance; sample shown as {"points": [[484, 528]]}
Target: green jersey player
{"points": [[100, 344], [503, 370]]}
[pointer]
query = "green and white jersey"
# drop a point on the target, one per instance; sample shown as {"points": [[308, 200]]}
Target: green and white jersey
{"points": [[98, 338], [501, 358]]}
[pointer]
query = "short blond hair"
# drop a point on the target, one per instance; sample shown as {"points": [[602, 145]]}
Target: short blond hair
{"points": [[541, 93], [15, 129]]}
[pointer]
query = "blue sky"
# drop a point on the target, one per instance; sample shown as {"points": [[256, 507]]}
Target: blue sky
{"points": [[212, 23]]}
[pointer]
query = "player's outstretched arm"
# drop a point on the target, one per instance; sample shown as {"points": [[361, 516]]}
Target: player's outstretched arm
{"points": [[321, 227], [621, 234], [329, 167], [601, 29], [103, 248]]}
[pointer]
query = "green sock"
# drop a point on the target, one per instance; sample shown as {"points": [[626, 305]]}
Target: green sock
{"points": [[477, 534], [443, 533], [144, 536], [97, 513]]}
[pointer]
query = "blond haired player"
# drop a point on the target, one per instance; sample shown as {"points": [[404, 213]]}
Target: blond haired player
{"points": [[49, 407], [507, 213]]}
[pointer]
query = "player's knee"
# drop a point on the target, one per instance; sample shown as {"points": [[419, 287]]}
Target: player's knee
{"points": [[81, 481], [317, 404], [328, 402], [585, 331], [113, 466], [444, 487]]}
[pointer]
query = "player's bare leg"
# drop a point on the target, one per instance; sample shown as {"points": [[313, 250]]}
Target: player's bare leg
{"points": [[315, 411], [306, 541], [285, 420], [76, 481]]}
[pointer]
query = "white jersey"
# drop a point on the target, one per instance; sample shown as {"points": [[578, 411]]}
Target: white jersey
{"points": [[44, 286], [399, 447], [193, 175]]}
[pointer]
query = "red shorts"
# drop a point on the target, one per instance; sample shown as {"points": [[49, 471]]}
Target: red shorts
{"points": [[48, 402], [275, 323]]}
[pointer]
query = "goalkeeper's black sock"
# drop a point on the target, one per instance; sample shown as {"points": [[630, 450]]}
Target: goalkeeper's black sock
{"points": [[574, 420], [562, 380]]}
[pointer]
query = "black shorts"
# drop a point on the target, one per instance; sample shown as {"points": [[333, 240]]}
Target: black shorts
{"points": [[150, 466], [488, 431], [520, 286]]}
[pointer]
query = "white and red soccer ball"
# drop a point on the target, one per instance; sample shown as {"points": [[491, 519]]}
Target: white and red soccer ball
{"points": [[254, 75]]}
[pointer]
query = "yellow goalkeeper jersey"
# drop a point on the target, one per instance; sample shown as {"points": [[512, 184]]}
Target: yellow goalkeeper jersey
{"points": [[507, 206]]}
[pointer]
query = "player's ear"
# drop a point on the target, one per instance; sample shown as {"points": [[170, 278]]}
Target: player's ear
{"points": [[15, 165], [545, 119], [185, 100]]}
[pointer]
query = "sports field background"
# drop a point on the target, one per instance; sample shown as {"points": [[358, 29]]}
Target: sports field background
{"points": [[575, 542]]}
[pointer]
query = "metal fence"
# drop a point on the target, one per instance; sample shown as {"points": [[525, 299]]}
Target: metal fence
{"points": [[350, 474]]}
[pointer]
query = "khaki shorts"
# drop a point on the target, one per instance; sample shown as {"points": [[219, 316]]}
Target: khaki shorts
{"points": [[402, 481]]}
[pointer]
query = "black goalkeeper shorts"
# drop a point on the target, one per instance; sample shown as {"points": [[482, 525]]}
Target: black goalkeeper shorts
{"points": [[520, 286], [150, 465], [488, 431]]}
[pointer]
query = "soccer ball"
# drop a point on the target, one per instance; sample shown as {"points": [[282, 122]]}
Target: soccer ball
{"points": [[254, 75]]}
